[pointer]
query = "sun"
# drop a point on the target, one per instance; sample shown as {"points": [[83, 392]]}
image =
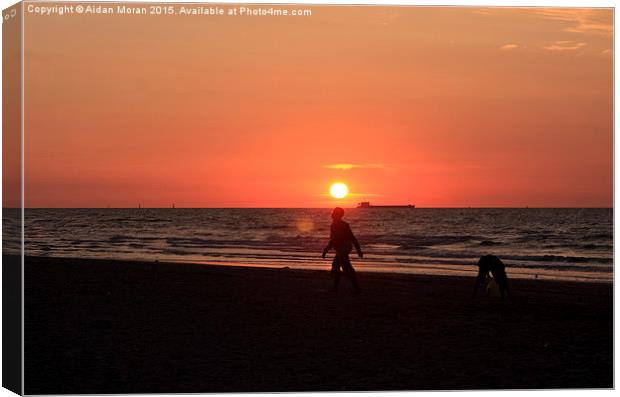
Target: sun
{"points": [[339, 190]]}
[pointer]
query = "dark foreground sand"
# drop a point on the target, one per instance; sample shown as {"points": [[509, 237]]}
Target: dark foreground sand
{"points": [[114, 327]]}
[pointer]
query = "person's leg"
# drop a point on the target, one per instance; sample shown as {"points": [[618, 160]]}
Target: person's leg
{"points": [[348, 270], [336, 272], [499, 274], [502, 280]]}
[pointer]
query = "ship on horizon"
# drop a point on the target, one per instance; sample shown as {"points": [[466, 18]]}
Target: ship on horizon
{"points": [[366, 204]]}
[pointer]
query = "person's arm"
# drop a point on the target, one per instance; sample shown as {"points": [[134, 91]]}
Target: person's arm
{"points": [[356, 244], [482, 275], [327, 248]]}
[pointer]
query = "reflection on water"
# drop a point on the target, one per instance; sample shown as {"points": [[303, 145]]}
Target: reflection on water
{"points": [[564, 243]]}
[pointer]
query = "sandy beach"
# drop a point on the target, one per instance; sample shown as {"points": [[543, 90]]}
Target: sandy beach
{"points": [[97, 326]]}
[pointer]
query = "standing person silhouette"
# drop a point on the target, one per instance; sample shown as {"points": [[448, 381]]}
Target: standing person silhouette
{"points": [[342, 240]]}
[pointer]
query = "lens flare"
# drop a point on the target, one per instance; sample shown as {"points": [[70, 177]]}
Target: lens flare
{"points": [[305, 225]]}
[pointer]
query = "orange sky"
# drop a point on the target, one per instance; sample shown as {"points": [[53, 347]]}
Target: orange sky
{"points": [[439, 107]]}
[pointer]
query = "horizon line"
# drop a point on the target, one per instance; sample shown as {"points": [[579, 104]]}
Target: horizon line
{"points": [[412, 208]]}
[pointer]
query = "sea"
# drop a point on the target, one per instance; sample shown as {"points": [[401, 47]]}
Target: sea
{"points": [[569, 244]]}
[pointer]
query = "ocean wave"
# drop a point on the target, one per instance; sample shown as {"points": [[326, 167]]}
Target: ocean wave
{"points": [[548, 239], [559, 258], [606, 247]]}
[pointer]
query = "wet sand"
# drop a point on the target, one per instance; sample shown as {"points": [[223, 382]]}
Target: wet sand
{"points": [[96, 326]]}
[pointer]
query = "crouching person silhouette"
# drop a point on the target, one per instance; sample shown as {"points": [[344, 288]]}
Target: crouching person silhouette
{"points": [[492, 264], [342, 240]]}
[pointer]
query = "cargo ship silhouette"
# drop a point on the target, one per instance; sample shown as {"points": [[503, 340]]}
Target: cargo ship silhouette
{"points": [[366, 204]]}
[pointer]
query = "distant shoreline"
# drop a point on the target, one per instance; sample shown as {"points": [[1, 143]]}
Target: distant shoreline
{"points": [[412, 271]]}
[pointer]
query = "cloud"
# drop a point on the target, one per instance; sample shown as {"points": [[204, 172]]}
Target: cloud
{"points": [[389, 17], [348, 166], [597, 21], [581, 20], [564, 46], [509, 47]]}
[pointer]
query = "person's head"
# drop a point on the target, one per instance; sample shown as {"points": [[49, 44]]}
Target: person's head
{"points": [[337, 214]]}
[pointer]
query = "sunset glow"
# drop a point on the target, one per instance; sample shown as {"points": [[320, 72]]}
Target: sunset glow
{"points": [[438, 107], [339, 190]]}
